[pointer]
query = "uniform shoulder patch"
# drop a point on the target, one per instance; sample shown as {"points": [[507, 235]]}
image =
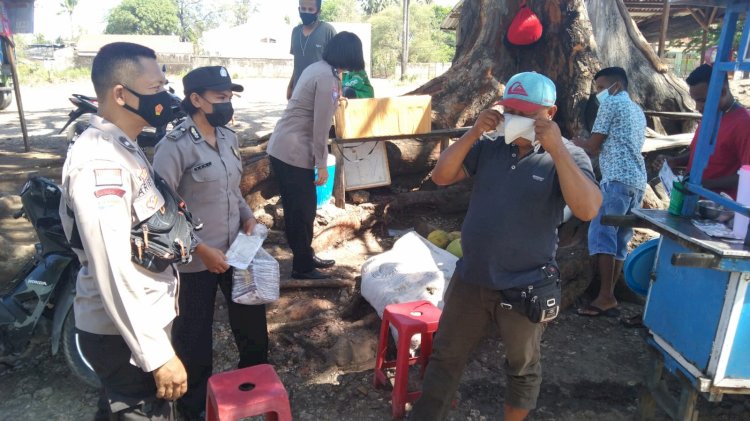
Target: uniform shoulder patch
{"points": [[194, 133], [107, 177], [176, 133], [126, 143]]}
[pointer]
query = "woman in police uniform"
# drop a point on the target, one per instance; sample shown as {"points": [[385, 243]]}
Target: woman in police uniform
{"points": [[298, 146], [200, 159]]}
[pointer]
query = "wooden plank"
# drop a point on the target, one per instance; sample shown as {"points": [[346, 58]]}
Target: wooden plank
{"points": [[676, 115], [10, 52], [431, 136], [701, 21], [711, 18], [653, 144], [367, 117], [338, 181], [366, 166]]}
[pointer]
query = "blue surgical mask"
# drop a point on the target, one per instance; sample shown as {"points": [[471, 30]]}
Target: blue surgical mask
{"points": [[603, 95]]}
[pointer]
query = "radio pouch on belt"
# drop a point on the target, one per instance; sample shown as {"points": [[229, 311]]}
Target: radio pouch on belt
{"points": [[539, 302], [166, 237]]}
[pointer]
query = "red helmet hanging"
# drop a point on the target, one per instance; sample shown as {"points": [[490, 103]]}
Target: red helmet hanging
{"points": [[526, 28]]}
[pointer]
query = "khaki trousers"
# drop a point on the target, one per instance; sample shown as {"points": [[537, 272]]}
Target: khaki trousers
{"points": [[469, 310]]}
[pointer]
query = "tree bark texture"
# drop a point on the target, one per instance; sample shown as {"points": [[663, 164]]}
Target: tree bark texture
{"points": [[484, 62], [567, 53], [405, 157], [620, 43]]}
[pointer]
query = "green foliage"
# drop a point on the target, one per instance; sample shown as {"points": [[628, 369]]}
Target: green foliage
{"points": [[68, 6], [371, 7], [39, 38], [194, 18], [427, 42], [712, 39], [34, 73], [386, 41], [144, 17], [340, 11], [241, 11]]}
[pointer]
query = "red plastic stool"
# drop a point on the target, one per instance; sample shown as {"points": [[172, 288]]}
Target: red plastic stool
{"points": [[243, 393], [409, 319]]}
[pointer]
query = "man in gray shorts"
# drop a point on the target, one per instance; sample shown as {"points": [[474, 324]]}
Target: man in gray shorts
{"points": [[509, 239], [309, 39]]}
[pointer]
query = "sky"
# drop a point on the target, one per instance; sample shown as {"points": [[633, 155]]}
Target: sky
{"points": [[90, 15]]}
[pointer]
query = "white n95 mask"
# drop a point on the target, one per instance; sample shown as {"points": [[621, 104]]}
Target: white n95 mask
{"points": [[517, 126]]}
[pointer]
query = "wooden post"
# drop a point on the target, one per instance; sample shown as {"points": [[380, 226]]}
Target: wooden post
{"points": [[444, 144], [10, 52], [664, 26], [338, 181]]}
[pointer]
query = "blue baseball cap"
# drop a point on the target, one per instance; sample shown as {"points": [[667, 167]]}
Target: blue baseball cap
{"points": [[529, 91]]}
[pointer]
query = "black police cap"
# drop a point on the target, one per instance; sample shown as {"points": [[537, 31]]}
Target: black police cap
{"points": [[215, 78]]}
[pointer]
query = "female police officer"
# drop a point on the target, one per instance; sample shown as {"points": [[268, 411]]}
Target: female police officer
{"points": [[201, 161], [298, 146]]}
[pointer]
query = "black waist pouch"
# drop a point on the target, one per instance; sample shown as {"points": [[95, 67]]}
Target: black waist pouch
{"points": [[539, 302]]}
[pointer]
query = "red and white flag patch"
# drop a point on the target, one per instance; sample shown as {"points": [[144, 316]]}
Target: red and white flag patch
{"points": [[109, 192], [108, 177]]}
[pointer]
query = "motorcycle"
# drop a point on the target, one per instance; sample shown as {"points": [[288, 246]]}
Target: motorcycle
{"points": [[38, 301]]}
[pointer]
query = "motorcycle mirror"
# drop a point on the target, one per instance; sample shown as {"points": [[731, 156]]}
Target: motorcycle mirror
{"points": [[164, 68]]}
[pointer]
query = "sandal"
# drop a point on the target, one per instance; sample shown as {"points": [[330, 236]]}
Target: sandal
{"points": [[633, 322], [594, 311]]}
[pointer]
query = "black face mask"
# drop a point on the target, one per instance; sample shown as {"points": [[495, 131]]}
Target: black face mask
{"points": [[308, 18], [156, 109], [222, 114]]}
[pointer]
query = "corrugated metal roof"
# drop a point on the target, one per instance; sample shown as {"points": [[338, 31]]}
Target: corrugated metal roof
{"points": [[450, 22]]}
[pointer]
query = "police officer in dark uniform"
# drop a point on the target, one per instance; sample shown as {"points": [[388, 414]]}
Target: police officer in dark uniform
{"points": [[200, 159]]}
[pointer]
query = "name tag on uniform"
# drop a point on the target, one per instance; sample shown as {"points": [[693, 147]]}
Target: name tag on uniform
{"points": [[202, 166]]}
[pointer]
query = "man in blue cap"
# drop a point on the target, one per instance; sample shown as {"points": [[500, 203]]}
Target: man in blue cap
{"points": [[507, 277]]}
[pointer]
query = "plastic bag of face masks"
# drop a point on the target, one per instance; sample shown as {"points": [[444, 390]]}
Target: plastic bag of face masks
{"points": [[259, 283]]}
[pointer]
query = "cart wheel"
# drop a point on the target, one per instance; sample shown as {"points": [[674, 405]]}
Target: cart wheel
{"points": [[6, 98]]}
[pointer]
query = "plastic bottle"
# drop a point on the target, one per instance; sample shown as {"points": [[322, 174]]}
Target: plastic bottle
{"points": [[743, 197]]}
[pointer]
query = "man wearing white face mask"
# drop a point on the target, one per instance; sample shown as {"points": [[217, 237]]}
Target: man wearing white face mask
{"points": [[617, 137], [509, 239]]}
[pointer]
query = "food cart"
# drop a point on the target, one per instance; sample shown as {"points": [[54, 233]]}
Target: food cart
{"points": [[698, 304]]}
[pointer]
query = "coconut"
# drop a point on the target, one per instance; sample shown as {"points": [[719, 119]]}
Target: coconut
{"points": [[438, 238]]}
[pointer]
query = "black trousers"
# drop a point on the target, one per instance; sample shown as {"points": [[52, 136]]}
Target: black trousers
{"points": [[129, 392], [192, 332], [298, 198]]}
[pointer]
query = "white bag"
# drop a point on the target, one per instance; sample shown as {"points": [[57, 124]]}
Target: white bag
{"points": [[414, 269], [259, 283]]}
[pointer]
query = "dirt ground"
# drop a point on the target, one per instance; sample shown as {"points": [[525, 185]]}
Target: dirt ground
{"points": [[322, 339]]}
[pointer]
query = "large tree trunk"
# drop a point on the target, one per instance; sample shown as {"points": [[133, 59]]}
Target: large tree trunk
{"points": [[405, 157], [620, 43], [567, 53], [483, 62]]}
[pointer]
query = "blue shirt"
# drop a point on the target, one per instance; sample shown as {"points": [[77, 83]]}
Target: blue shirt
{"points": [[623, 122], [510, 228]]}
